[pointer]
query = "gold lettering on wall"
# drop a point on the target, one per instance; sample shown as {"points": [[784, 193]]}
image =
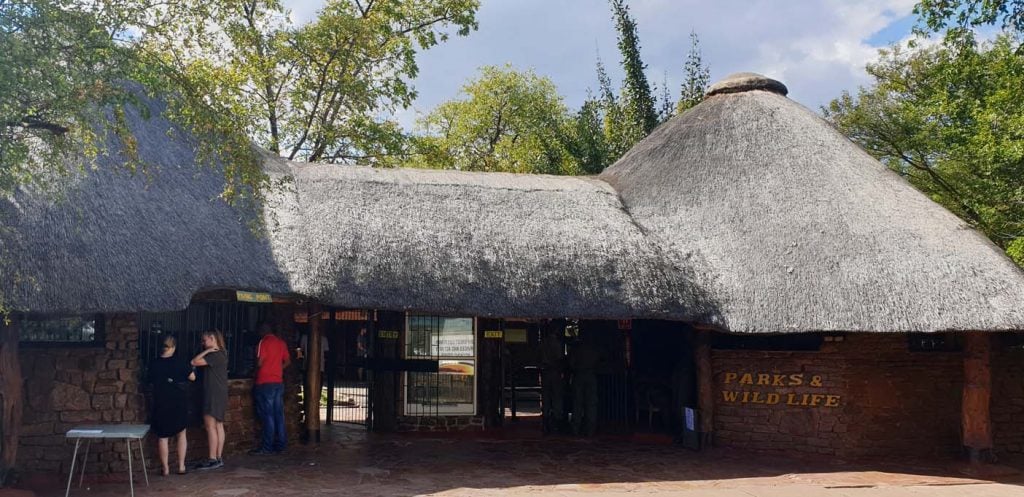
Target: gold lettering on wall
{"points": [[733, 394]]}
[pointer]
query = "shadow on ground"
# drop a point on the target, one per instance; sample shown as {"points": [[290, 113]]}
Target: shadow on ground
{"points": [[351, 462]]}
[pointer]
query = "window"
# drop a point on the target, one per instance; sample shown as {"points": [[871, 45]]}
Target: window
{"points": [[62, 330], [238, 321], [452, 342]]}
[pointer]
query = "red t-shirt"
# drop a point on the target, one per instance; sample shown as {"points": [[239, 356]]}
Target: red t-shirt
{"points": [[272, 351]]}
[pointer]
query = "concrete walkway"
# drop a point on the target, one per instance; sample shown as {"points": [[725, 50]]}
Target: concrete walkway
{"points": [[351, 463]]}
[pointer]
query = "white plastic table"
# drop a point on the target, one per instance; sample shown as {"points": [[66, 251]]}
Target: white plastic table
{"points": [[126, 432]]}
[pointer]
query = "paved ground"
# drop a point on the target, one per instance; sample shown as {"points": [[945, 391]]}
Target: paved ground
{"points": [[352, 463]]}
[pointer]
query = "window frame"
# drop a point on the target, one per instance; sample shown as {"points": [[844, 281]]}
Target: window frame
{"points": [[99, 336], [429, 410]]}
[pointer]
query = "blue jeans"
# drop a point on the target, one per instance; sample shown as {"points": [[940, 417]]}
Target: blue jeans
{"points": [[270, 409]]}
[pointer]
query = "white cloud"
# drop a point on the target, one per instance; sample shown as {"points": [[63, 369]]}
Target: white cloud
{"points": [[816, 47]]}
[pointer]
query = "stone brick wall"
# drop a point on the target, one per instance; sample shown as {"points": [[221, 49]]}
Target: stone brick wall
{"points": [[1008, 395], [69, 386], [885, 400], [66, 386]]}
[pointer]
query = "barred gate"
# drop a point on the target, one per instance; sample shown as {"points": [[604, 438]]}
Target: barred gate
{"points": [[347, 376]]}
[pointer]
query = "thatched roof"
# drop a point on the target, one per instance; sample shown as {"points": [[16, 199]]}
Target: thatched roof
{"points": [[791, 227], [489, 244], [747, 212], [109, 240], [482, 244]]}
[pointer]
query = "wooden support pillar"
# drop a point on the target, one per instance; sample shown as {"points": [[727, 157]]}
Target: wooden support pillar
{"points": [[10, 394], [313, 375], [705, 386], [975, 419]]}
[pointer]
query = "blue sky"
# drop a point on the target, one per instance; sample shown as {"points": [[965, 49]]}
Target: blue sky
{"points": [[818, 48]]}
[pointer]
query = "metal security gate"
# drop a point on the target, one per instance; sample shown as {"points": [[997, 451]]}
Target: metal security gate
{"points": [[347, 375]]}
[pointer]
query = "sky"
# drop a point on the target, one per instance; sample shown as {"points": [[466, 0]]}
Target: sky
{"points": [[818, 48]]}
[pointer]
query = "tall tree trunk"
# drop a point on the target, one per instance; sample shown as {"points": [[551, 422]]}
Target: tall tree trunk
{"points": [[11, 397]]}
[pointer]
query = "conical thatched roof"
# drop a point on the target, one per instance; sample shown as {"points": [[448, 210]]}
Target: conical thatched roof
{"points": [[791, 227], [747, 212]]}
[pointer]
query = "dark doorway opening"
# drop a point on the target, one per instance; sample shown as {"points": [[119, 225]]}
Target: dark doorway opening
{"points": [[663, 378]]}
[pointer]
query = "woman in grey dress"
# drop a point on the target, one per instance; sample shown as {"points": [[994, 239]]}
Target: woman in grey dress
{"points": [[214, 361]]}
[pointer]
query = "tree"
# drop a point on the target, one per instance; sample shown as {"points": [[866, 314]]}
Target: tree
{"points": [[619, 133], [317, 92], [507, 121], [666, 107], [585, 137], [637, 99], [958, 18], [949, 119], [696, 77]]}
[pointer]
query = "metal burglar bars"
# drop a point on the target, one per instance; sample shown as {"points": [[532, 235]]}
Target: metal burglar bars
{"points": [[238, 322], [451, 341], [346, 379]]}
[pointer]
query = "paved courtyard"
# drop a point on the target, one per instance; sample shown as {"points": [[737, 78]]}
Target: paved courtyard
{"points": [[350, 462]]}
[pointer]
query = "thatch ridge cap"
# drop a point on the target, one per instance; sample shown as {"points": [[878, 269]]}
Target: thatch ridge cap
{"points": [[747, 81]]}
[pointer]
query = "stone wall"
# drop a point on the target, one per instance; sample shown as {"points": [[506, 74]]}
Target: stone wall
{"points": [[1008, 394], [865, 395], [70, 386]]}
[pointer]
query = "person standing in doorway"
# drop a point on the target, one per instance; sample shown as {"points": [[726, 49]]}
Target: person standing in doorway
{"points": [[214, 360], [169, 375], [272, 358]]}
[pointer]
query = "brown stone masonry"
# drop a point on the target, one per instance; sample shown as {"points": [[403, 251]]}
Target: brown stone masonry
{"points": [[1008, 394], [67, 386], [864, 395]]}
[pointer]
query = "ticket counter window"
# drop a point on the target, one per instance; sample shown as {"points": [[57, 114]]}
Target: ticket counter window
{"points": [[452, 389]]}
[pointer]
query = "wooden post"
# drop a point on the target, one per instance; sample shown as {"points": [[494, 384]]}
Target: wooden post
{"points": [[313, 376], [705, 386], [10, 395], [977, 394]]}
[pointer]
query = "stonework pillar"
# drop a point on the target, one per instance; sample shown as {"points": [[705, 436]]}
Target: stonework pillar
{"points": [[977, 394]]}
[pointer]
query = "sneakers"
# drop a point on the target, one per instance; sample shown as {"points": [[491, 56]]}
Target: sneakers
{"points": [[210, 464], [261, 452]]}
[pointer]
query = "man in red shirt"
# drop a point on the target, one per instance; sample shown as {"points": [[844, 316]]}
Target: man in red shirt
{"points": [[271, 358]]}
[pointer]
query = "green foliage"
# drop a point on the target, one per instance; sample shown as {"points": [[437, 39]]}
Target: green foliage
{"points": [[696, 77], [638, 101], [620, 134], [60, 65], [232, 71], [317, 92], [506, 121], [586, 140], [952, 122], [666, 107], [958, 18]]}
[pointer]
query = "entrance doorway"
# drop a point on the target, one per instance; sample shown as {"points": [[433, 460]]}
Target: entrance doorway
{"points": [[663, 376], [346, 397], [521, 358]]}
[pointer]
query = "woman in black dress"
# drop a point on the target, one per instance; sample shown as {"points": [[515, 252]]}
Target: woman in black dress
{"points": [[169, 376], [214, 360]]}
